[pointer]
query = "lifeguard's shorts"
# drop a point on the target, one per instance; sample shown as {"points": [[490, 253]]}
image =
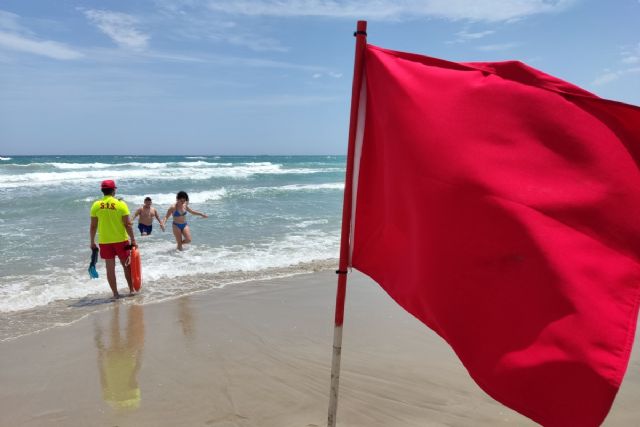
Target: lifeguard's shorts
{"points": [[110, 250]]}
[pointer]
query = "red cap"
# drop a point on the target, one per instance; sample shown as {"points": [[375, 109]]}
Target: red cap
{"points": [[108, 183]]}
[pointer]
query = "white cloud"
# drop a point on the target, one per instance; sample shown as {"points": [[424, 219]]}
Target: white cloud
{"points": [[9, 22], [332, 74], [497, 47], [172, 57], [15, 37], [465, 36], [281, 101], [261, 63], [630, 56], [608, 76], [473, 10], [120, 27], [190, 21], [48, 48], [253, 42]]}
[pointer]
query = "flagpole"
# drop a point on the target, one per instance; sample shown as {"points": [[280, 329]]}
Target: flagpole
{"points": [[361, 41]]}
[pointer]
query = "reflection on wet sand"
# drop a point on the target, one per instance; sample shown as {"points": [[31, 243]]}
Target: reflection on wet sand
{"points": [[120, 357], [185, 317]]}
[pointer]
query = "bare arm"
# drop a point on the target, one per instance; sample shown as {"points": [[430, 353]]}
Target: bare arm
{"points": [[127, 226], [191, 211], [169, 213], [155, 211], [93, 228], [138, 212]]}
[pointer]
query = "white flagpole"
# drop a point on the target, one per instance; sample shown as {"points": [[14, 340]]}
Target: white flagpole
{"points": [[361, 40]]}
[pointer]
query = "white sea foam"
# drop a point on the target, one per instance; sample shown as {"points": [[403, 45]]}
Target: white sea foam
{"points": [[304, 246], [165, 269], [293, 187], [167, 198], [5, 158], [164, 172], [213, 195], [91, 166], [29, 291], [170, 198], [269, 217], [309, 223], [307, 187]]}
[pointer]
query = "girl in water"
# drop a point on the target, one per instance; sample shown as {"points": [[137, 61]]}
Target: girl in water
{"points": [[179, 212]]}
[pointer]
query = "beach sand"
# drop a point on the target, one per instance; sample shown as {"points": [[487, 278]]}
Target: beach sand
{"points": [[253, 354]]}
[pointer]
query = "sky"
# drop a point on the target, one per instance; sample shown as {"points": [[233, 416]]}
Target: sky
{"points": [[252, 77]]}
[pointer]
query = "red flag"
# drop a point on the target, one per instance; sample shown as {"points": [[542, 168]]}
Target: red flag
{"points": [[501, 207]]}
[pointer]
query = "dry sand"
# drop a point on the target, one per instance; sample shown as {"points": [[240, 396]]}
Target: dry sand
{"points": [[253, 354]]}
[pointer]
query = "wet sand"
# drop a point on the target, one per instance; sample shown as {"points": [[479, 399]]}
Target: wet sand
{"points": [[253, 354]]}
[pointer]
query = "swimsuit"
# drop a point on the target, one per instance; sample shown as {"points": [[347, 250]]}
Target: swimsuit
{"points": [[178, 213], [144, 229]]}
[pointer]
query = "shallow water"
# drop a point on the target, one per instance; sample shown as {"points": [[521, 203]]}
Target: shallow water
{"points": [[268, 216]]}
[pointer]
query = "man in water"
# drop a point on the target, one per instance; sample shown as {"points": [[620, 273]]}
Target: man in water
{"points": [[146, 212], [110, 219]]}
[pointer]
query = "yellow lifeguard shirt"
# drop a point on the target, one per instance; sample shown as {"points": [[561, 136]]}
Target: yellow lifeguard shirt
{"points": [[109, 212]]}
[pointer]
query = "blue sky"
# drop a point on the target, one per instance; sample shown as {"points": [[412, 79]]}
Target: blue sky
{"points": [[264, 76]]}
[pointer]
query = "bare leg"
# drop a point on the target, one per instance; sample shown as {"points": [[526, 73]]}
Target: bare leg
{"points": [[115, 328], [177, 233], [111, 276], [187, 235], [127, 274]]}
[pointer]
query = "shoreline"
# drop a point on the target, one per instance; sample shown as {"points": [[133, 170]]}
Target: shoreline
{"points": [[21, 323], [254, 354]]}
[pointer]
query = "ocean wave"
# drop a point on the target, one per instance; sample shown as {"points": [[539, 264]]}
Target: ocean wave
{"points": [[63, 312], [202, 164], [311, 187], [291, 249], [166, 271], [170, 198], [163, 173], [144, 165], [166, 198], [220, 193], [5, 158], [29, 291], [309, 223], [91, 166], [291, 188]]}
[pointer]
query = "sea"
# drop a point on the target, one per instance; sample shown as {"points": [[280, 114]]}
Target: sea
{"points": [[268, 217]]}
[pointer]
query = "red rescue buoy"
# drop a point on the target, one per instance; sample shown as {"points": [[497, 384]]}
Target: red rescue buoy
{"points": [[136, 269]]}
